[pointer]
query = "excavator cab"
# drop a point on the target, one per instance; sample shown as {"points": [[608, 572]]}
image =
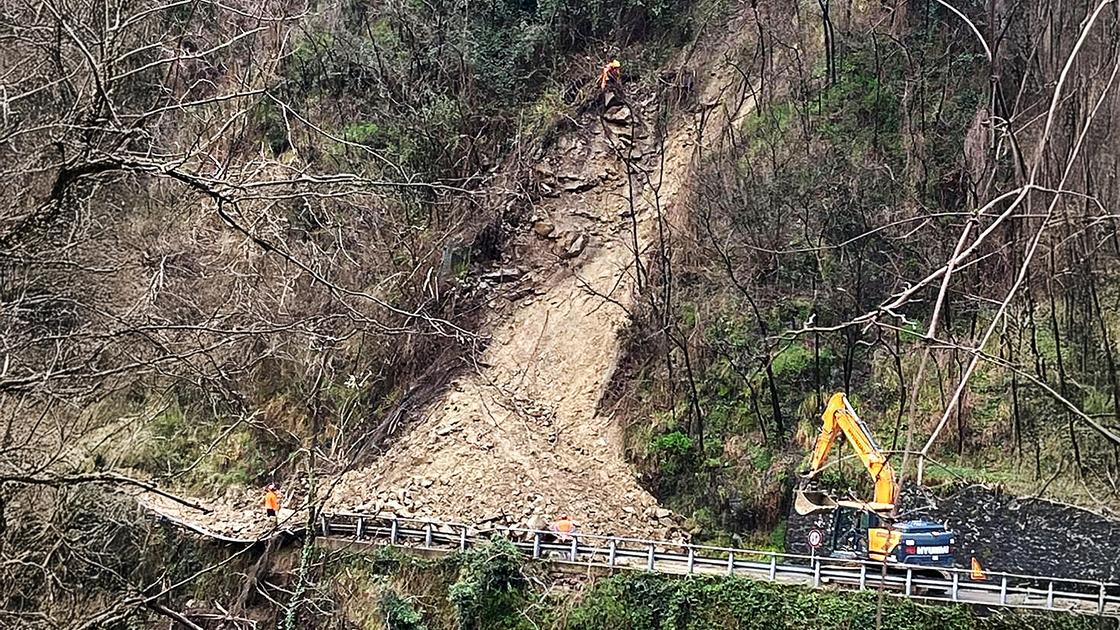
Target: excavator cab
{"points": [[861, 534], [850, 531]]}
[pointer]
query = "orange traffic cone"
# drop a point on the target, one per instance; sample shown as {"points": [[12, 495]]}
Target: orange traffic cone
{"points": [[977, 572]]}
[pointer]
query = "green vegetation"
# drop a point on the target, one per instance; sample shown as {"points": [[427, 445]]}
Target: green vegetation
{"points": [[399, 613], [838, 194], [649, 602], [489, 588], [485, 587], [673, 451], [489, 584], [202, 456]]}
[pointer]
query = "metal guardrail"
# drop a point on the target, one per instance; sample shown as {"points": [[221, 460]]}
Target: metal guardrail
{"points": [[1006, 590]]}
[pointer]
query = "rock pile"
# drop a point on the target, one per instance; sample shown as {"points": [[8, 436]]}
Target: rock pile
{"points": [[421, 497], [523, 441]]}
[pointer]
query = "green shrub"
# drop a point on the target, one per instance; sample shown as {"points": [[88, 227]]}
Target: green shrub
{"points": [[792, 360], [778, 537], [181, 438], [399, 614], [654, 602], [673, 452], [488, 585]]}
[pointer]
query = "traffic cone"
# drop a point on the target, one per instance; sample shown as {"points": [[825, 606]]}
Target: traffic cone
{"points": [[977, 572]]}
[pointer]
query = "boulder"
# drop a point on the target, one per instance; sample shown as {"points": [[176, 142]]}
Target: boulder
{"points": [[544, 228], [504, 274], [572, 183], [537, 521], [519, 293], [618, 114], [574, 245]]}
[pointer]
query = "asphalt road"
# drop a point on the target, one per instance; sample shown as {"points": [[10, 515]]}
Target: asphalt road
{"points": [[609, 554]]}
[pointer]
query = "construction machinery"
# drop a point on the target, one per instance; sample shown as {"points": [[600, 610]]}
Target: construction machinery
{"points": [[869, 530]]}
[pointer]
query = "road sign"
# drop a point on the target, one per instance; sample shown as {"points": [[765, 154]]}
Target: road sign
{"points": [[815, 538]]}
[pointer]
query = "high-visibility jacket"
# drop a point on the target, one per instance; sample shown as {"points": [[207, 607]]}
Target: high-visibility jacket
{"points": [[272, 501], [611, 71], [564, 527]]}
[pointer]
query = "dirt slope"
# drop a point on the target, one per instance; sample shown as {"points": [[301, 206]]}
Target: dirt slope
{"points": [[519, 441], [520, 437]]}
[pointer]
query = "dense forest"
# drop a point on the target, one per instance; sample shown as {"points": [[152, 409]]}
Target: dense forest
{"points": [[280, 241], [920, 219]]}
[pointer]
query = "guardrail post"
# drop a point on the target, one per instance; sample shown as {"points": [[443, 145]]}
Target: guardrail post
{"points": [[610, 558], [358, 532], [463, 539], [324, 524], [691, 559], [909, 577], [1100, 600], [1003, 591], [816, 573], [649, 560], [536, 545], [956, 584], [773, 568], [863, 577], [731, 563], [428, 535], [575, 548], [1050, 594], [393, 531]]}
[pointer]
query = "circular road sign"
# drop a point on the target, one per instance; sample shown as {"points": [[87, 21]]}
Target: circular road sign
{"points": [[815, 538]]}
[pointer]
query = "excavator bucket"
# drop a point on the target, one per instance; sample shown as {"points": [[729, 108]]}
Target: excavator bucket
{"points": [[812, 501]]}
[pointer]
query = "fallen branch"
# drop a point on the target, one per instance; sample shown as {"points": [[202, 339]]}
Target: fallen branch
{"points": [[107, 477]]}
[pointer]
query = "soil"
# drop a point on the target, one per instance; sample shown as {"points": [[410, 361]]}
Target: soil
{"points": [[520, 440]]}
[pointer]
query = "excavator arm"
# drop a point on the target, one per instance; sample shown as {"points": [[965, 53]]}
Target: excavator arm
{"points": [[839, 417]]}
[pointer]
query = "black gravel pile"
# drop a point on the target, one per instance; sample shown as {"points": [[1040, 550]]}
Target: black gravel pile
{"points": [[1004, 532], [1018, 535]]}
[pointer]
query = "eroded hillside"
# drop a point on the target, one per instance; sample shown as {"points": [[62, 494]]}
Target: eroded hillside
{"points": [[409, 258], [518, 438]]}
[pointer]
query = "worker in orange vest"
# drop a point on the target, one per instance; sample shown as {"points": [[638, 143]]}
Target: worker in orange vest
{"points": [[611, 72], [564, 528], [271, 502]]}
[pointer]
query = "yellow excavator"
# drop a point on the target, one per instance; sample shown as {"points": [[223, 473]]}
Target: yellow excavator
{"points": [[869, 530]]}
